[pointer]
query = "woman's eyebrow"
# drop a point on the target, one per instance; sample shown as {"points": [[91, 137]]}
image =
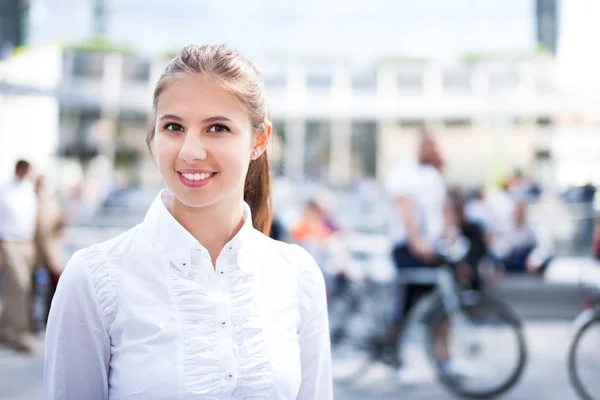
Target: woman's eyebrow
{"points": [[171, 116], [217, 118]]}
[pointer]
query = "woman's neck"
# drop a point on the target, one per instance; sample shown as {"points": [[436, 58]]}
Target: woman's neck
{"points": [[212, 226]]}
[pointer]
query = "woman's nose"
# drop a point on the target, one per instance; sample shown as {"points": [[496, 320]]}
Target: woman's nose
{"points": [[193, 148]]}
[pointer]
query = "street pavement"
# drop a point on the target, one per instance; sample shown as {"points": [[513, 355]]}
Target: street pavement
{"points": [[547, 305], [545, 376]]}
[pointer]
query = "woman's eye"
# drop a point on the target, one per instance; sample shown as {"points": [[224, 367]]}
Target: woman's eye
{"points": [[173, 127], [218, 128]]}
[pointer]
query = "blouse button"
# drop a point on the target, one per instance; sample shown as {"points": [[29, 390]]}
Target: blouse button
{"points": [[229, 377], [223, 324]]}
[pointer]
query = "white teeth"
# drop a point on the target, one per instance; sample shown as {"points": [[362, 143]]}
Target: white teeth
{"points": [[197, 176]]}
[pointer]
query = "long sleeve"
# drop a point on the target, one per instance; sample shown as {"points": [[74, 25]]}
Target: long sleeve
{"points": [[315, 351], [77, 340]]}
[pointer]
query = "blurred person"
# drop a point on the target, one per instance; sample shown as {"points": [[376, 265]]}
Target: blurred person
{"points": [[314, 226], [586, 226], [476, 210], [522, 188], [317, 232], [196, 301], [277, 231], [48, 239], [596, 241], [530, 249], [502, 207], [423, 215], [475, 232], [18, 213]]}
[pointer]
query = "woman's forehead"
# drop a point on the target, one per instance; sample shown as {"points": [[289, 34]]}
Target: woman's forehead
{"points": [[191, 96]]}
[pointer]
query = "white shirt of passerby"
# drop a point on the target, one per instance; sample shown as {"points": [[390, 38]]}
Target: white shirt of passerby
{"points": [[147, 316], [502, 207], [532, 235], [425, 186], [18, 211], [477, 212]]}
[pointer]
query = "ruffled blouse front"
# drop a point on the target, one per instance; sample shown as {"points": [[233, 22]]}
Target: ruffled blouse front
{"points": [[147, 316]]}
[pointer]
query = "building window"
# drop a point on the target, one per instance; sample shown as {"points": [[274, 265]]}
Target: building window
{"points": [[277, 144], [318, 81], [458, 123], [275, 82], [543, 120], [317, 149], [457, 81], [364, 148], [411, 123], [364, 81], [410, 78], [88, 64], [135, 69]]}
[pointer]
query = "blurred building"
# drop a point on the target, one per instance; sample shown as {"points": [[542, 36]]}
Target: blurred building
{"points": [[13, 24], [578, 55], [547, 24], [335, 122]]}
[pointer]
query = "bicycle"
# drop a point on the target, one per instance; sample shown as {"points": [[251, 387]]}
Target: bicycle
{"points": [[584, 350], [357, 318]]}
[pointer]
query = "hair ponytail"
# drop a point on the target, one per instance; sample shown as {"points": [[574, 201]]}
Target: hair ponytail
{"points": [[257, 193]]}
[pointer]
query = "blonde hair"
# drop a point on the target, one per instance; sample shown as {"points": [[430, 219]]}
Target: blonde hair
{"points": [[230, 71]]}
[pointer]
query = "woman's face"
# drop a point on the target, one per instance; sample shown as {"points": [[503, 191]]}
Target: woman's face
{"points": [[204, 142]]}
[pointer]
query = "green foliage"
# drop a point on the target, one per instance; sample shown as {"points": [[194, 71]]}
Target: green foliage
{"points": [[19, 50], [100, 44], [539, 53], [171, 53]]}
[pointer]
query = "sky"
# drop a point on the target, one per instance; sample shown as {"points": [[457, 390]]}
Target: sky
{"points": [[350, 29]]}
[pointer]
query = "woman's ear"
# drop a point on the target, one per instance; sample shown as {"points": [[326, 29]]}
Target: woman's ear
{"points": [[262, 140]]}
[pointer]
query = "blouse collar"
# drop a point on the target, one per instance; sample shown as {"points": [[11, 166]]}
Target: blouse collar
{"points": [[176, 243]]}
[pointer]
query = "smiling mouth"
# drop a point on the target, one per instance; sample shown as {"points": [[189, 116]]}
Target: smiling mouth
{"points": [[197, 177]]}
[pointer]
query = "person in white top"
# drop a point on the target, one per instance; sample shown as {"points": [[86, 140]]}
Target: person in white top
{"points": [[422, 216], [18, 213], [196, 302]]}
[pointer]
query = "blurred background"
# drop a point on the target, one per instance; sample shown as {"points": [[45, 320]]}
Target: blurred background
{"points": [[509, 89]]}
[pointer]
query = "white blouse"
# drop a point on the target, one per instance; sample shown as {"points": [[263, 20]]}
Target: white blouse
{"points": [[146, 316]]}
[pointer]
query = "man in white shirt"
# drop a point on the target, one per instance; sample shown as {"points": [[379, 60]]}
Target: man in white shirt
{"points": [[18, 212], [423, 215]]}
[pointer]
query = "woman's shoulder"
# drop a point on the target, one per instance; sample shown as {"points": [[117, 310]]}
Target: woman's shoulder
{"points": [[93, 268]]}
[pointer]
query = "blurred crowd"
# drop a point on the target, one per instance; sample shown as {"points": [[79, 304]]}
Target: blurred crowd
{"points": [[32, 227], [399, 219], [504, 223]]}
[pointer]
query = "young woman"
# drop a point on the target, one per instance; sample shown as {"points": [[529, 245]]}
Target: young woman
{"points": [[196, 302]]}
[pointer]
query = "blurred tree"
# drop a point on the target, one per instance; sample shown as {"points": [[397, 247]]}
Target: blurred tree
{"points": [[100, 44]]}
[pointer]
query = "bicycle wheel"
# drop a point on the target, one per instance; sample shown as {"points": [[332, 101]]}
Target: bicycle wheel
{"points": [[354, 320], [478, 348], [584, 362]]}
